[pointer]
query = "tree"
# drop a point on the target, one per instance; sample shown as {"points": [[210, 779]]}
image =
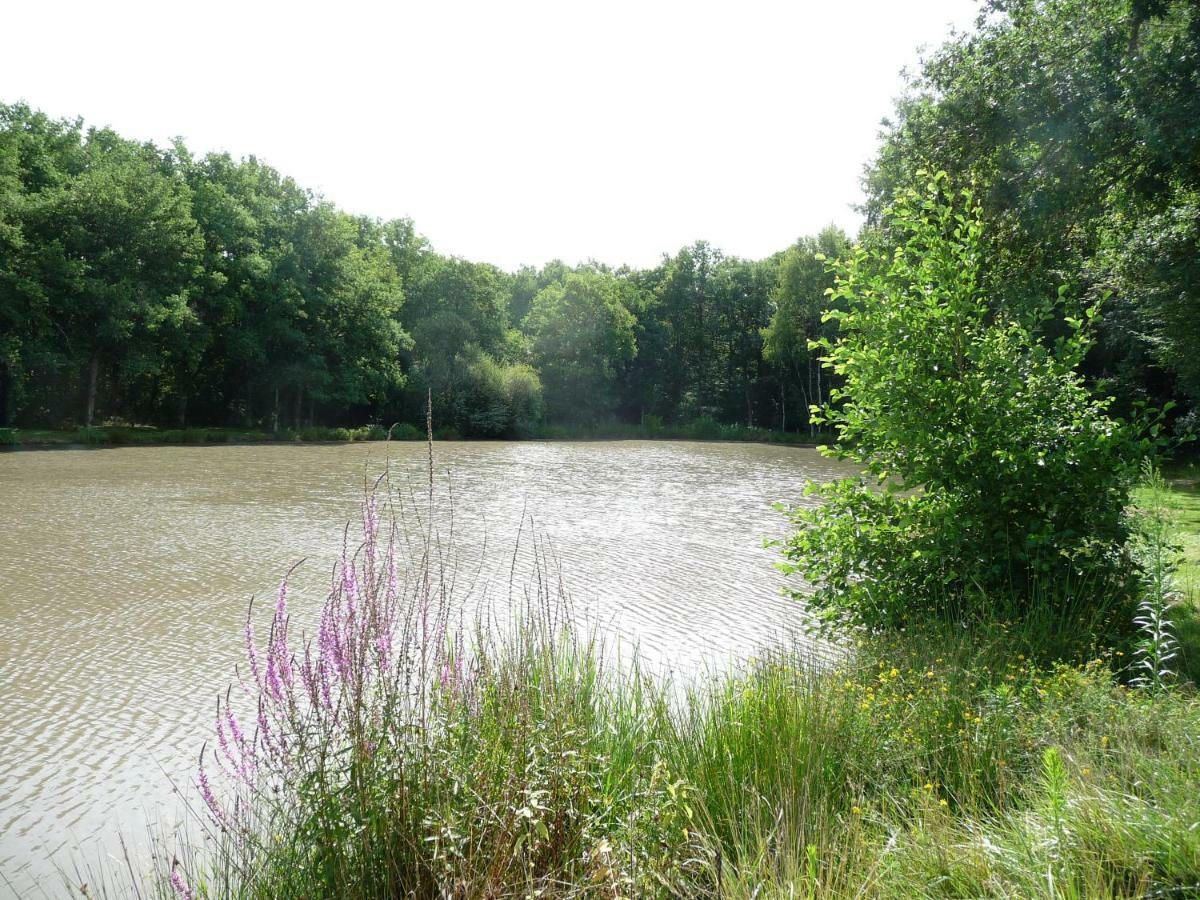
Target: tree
{"points": [[581, 335], [798, 301], [119, 252], [990, 470], [1078, 121]]}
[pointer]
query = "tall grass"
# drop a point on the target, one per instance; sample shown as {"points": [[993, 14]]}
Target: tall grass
{"points": [[403, 749]]}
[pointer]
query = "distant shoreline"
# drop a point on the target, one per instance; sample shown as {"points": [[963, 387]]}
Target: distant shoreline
{"points": [[114, 437]]}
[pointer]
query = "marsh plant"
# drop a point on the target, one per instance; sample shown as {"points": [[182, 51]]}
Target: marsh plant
{"points": [[1158, 556], [403, 748], [408, 749]]}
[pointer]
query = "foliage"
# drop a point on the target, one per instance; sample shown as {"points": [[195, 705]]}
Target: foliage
{"points": [[1077, 120], [581, 336], [797, 322], [262, 306], [989, 467], [449, 761], [1158, 555]]}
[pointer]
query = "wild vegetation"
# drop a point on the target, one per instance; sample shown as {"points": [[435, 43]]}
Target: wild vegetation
{"points": [[1013, 712], [397, 750], [141, 284], [1008, 714], [1000, 473]]}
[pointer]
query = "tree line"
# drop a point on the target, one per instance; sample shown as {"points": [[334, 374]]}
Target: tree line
{"points": [[144, 284], [1077, 123], [148, 285]]}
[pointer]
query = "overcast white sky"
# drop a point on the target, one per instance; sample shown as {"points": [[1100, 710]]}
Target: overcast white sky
{"points": [[511, 132]]}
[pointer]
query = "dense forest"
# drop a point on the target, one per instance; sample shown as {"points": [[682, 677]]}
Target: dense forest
{"points": [[143, 284]]}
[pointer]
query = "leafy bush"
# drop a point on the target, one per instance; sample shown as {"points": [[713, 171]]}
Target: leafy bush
{"points": [[705, 428], [403, 431], [477, 395], [94, 436], [8, 437], [399, 752], [990, 468]]}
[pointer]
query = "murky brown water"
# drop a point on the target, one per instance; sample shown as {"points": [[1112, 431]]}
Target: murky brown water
{"points": [[125, 573]]}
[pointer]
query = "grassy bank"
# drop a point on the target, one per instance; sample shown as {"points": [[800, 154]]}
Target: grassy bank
{"points": [[700, 430], [1184, 503], [978, 771], [399, 755], [121, 435], [115, 436]]}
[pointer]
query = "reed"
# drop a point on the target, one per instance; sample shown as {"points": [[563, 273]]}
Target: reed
{"points": [[401, 748]]}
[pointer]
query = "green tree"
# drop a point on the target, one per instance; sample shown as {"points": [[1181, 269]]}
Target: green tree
{"points": [[581, 335], [798, 301], [989, 468], [1078, 121], [119, 253]]}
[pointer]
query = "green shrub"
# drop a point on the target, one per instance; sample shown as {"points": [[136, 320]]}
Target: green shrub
{"points": [[94, 436], [705, 428], [403, 431], [989, 466], [652, 425], [8, 437]]}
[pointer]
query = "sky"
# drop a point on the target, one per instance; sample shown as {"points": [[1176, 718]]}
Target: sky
{"points": [[511, 132]]}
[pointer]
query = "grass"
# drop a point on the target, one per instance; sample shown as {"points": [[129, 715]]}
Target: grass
{"points": [[703, 429], [986, 758], [121, 435], [901, 774], [1184, 503], [1182, 506]]}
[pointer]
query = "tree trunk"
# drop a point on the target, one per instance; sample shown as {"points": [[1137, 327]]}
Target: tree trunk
{"points": [[783, 404], [93, 378], [275, 412], [181, 411], [297, 406]]}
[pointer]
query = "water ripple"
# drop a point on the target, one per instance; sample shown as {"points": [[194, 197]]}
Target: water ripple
{"points": [[124, 577]]}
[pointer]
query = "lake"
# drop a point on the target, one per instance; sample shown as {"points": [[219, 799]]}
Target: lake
{"points": [[125, 575]]}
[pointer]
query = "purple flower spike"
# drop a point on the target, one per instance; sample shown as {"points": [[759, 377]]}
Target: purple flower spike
{"points": [[181, 888], [206, 793], [273, 681], [264, 730]]}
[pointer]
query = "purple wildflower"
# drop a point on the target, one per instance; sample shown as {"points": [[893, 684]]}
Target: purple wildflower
{"points": [[279, 654], [223, 744], [181, 888], [264, 729], [206, 793], [326, 691]]}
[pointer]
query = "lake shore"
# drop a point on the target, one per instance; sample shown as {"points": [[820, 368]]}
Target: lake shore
{"points": [[135, 436]]}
